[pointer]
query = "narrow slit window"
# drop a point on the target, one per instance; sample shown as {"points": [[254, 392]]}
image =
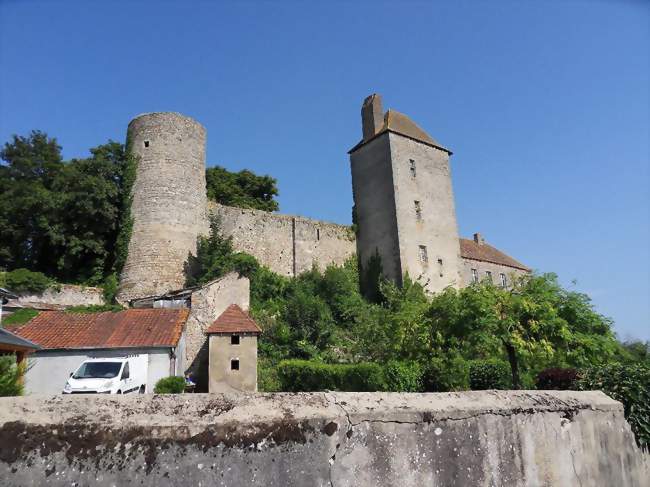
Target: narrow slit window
{"points": [[412, 167], [146, 143], [440, 267], [418, 210], [318, 234], [234, 364], [474, 275], [423, 254], [234, 339], [504, 280]]}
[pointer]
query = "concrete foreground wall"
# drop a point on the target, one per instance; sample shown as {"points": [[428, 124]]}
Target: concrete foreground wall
{"points": [[488, 438]]}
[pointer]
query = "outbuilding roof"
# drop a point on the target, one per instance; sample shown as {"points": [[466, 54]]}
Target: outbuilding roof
{"points": [[128, 328], [11, 341], [470, 249], [233, 320]]}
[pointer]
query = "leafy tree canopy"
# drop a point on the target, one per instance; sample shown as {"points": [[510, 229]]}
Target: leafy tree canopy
{"points": [[243, 189], [59, 218]]}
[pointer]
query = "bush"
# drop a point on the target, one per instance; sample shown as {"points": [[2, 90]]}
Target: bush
{"points": [[267, 377], [558, 379], [170, 385], [26, 281], [441, 375], [309, 376], [403, 376], [362, 377], [629, 384], [489, 374], [11, 375]]}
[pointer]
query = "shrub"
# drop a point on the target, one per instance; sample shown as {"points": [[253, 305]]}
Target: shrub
{"points": [[489, 374], [11, 375], [362, 377], [403, 376], [267, 377], [309, 376], [26, 281], [440, 375], [556, 378], [629, 384], [109, 288], [170, 385]]}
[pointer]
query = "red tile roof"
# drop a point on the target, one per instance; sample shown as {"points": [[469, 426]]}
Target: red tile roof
{"points": [[128, 328], [234, 320], [469, 249]]}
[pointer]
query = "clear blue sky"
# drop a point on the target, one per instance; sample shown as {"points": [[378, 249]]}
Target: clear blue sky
{"points": [[545, 105]]}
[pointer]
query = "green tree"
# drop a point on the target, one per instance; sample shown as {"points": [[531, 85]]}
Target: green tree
{"points": [[30, 166], [59, 218], [534, 324], [89, 198], [243, 189], [215, 257]]}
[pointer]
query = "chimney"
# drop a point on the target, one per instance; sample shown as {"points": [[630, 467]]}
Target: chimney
{"points": [[478, 238], [372, 116]]}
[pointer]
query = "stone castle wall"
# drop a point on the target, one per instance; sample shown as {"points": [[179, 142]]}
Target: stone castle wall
{"points": [[460, 439], [288, 245], [64, 296], [169, 201]]}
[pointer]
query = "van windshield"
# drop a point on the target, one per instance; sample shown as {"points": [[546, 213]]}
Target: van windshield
{"points": [[98, 370]]}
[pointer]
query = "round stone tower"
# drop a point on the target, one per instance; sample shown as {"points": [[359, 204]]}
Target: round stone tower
{"points": [[169, 202]]}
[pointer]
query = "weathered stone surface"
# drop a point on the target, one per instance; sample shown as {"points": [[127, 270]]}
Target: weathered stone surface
{"points": [[169, 202], [288, 245], [64, 296], [489, 438], [207, 304]]}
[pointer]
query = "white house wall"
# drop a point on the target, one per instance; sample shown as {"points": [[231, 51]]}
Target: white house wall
{"points": [[48, 370]]}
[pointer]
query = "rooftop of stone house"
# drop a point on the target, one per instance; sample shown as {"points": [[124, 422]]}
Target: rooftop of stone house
{"points": [[399, 123], [121, 329], [233, 320], [478, 249]]}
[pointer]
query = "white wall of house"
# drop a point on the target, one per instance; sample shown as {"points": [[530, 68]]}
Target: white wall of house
{"points": [[48, 370]]}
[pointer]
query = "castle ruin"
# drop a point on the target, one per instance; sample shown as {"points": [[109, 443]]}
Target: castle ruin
{"points": [[403, 202]]}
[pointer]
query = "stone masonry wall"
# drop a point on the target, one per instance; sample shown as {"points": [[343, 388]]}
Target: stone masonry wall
{"points": [[66, 295], [482, 267], [207, 305], [169, 202], [465, 439], [288, 245]]}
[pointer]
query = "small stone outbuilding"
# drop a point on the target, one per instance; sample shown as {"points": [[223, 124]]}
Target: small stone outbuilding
{"points": [[233, 352]]}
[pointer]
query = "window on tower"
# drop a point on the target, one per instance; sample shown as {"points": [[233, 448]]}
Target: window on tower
{"points": [[146, 143], [423, 254], [412, 167], [418, 210], [440, 267]]}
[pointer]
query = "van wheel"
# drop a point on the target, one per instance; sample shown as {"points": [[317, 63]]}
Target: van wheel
{"points": [[141, 391]]}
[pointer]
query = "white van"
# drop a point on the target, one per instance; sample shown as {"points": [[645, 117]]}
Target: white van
{"points": [[119, 375]]}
